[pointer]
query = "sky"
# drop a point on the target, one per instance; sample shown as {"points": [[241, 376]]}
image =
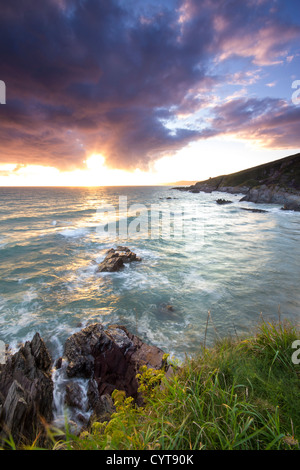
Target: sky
{"points": [[130, 92]]}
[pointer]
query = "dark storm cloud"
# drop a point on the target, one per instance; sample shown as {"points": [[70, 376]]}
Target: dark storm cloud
{"points": [[105, 76]]}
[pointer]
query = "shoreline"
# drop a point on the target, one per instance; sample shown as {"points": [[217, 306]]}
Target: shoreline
{"points": [[272, 183], [272, 347]]}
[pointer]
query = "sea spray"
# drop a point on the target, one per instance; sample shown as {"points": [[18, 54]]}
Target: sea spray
{"points": [[76, 416]]}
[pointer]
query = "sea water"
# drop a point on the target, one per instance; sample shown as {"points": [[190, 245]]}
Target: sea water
{"points": [[238, 265]]}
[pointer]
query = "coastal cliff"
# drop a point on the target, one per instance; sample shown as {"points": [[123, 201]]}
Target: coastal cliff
{"points": [[276, 182]]}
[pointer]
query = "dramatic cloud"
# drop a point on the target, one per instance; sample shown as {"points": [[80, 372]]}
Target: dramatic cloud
{"points": [[118, 77], [270, 122]]}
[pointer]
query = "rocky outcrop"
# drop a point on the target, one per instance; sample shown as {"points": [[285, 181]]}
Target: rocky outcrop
{"points": [[276, 182], [273, 195], [26, 392], [111, 358], [115, 259], [291, 206], [96, 362]]}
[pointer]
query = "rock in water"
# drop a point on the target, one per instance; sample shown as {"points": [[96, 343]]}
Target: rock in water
{"points": [[111, 358], [223, 201], [250, 209], [115, 259], [291, 206], [26, 392]]}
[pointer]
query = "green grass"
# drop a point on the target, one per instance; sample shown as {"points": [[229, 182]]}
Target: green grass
{"points": [[238, 394], [284, 172]]}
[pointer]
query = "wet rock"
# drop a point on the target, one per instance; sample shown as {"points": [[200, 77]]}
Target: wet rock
{"points": [[291, 206], [74, 395], [111, 358], [102, 405], [110, 264], [165, 308], [58, 363], [26, 391], [273, 195], [115, 259], [223, 201], [170, 308], [259, 211], [79, 348]]}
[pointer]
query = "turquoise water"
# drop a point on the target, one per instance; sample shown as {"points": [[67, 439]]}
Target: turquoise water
{"points": [[234, 263]]}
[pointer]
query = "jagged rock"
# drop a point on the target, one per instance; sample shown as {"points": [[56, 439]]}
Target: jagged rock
{"points": [[115, 259], [26, 391], [102, 405], [111, 358], [14, 410]]}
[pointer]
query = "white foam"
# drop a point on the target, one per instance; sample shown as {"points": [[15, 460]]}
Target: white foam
{"points": [[29, 295], [60, 409], [74, 232]]}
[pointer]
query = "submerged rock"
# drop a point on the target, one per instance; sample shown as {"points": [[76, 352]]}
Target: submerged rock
{"points": [[26, 392], [115, 259], [260, 211]]}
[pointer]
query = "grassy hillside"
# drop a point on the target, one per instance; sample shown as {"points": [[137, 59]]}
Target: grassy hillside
{"points": [[284, 173]]}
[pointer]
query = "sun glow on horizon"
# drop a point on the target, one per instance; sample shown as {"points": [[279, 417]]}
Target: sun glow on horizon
{"points": [[96, 173], [197, 161]]}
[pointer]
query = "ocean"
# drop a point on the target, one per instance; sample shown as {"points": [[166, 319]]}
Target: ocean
{"points": [[197, 257]]}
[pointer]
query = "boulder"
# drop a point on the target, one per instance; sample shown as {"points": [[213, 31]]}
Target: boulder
{"points": [[26, 392], [115, 259], [291, 206], [273, 195]]}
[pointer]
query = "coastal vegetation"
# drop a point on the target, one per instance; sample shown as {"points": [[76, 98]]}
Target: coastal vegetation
{"points": [[240, 393], [284, 172], [276, 182]]}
